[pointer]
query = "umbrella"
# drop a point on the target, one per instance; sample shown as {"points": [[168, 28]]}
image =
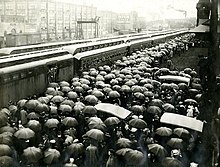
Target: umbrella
{"points": [[5, 150], [79, 89], [129, 83], [70, 122], [163, 131], [175, 143], [89, 110], [51, 156], [24, 133], [75, 148], [182, 133], [66, 89], [43, 100], [148, 86], [79, 106], [53, 85], [92, 99], [94, 119], [64, 83], [32, 154], [109, 76], [7, 129], [158, 150], [114, 82], [107, 89], [97, 93], [156, 102], [51, 91], [97, 125], [34, 125], [111, 121], [6, 161], [6, 138], [100, 78], [138, 123], [191, 101], [51, 123], [123, 143], [139, 95], [168, 107], [148, 94], [134, 157], [84, 81], [171, 162], [125, 88], [31, 104], [76, 83], [165, 86], [21, 103], [113, 94], [72, 95], [136, 88], [123, 151], [68, 102], [137, 109], [57, 99], [116, 87], [33, 115], [42, 108], [12, 109], [154, 110], [95, 134], [183, 86], [65, 108]]}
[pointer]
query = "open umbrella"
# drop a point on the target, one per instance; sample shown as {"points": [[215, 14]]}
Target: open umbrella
{"points": [[69, 121], [138, 123], [57, 99], [136, 88], [137, 109], [34, 125], [149, 94], [123, 151], [123, 143], [97, 93], [139, 95], [154, 110], [3, 119], [21, 103], [134, 157], [31, 104], [51, 123], [51, 156], [125, 88], [6, 161], [72, 95], [66, 89], [65, 108], [33, 115], [51, 91], [113, 94], [171, 162], [182, 133], [68, 102], [175, 143], [53, 85], [79, 89], [168, 107], [92, 99], [89, 110], [111, 121], [64, 83], [43, 100], [95, 134], [24, 133], [41, 107], [5, 150], [129, 83], [97, 125], [84, 81], [5, 138], [75, 148], [183, 86], [76, 83], [7, 129], [158, 150], [32, 154], [156, 102], [164, 131]]}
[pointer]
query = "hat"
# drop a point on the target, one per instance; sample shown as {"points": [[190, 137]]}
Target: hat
{"points": [[52, 141]]}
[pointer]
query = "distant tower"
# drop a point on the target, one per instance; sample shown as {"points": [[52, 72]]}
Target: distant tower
{"points": [[203, 11]]}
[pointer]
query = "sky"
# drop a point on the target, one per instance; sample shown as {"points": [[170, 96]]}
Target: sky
{"points": [[145, 8]]}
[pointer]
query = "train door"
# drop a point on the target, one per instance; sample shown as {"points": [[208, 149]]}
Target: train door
{"points": [[52, 73]]}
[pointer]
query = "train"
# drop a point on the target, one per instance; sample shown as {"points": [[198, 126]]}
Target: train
{"points": [[28, 78]]}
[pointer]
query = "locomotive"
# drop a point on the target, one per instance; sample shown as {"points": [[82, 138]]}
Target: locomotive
{"points": [[30, 76]]}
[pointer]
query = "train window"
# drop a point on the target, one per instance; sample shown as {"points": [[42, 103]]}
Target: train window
{"points": [[15, 76], [22, 75], [6, 79]]}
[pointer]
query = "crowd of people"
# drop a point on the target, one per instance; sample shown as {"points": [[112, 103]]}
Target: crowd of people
{"points": [[64, 128]]}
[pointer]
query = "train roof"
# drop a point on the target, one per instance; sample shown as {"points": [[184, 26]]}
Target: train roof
{"points": [[19, 67], [96, 51]]}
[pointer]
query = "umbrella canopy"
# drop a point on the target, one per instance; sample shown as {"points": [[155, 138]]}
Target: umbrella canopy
{"points": [[79, 106], [136, 88], [53, 85], [66, 89], [164, 131], [33, 115], [51, 123], [123, 151], [154, 110], [97, 93], [148, 94], [123, 143], [175, 143], [43, 100], [182, 133], [79, 89], [75, 148], [183, 86], [69, 121], [21, 103], [89, 110], [6, 138], [32, 154], [95, 134], [31, 104], [137, 109], [76, 83], [111, 121], [113, 94], [57, 99], [5, 150], [65, 108], [158, 150], [34, 125], [156, 102], [68, 102], [7, 129], [24, 133], [51, 156], [138, 123], [64, 83], [72, 95], [42, 108], [3, 119], [51, 91], [125, 88], [168, 107], [139, 95], [97, 125], [6, 161], [171, 162], [92, 99], [134, 157], [129, 83]]}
